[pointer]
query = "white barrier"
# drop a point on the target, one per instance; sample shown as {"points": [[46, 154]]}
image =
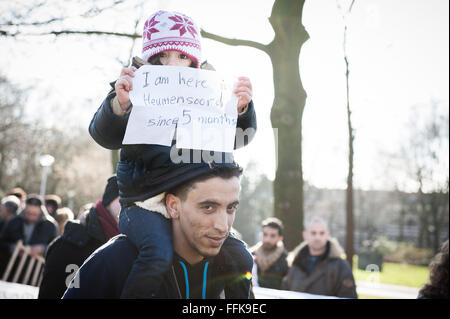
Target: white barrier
{"points": [[9, 290]]}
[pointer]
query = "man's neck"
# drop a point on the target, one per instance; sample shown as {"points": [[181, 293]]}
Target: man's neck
{"points": [[268, 250], [185, 250], [313, 252]]}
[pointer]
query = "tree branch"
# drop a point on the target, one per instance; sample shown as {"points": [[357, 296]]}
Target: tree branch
{"points": [[235, 42], [91, 32]]}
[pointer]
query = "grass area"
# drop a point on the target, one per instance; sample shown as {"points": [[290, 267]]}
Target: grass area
{"points": [[395, 274]]}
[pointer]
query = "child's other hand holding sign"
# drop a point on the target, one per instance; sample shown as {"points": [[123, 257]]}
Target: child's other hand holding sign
{"points": [[244, 92]]}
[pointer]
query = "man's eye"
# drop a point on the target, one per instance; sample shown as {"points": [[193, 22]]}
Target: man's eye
{"points": [[208, 208], [183, 56], [232, 208]]}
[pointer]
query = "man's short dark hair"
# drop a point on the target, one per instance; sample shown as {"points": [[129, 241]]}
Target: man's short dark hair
{"points": [[34, 200], [274, 223], [225, 172]]}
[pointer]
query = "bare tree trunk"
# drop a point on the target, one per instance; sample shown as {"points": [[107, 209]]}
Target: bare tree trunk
{"points": [[286, 115], [287, 111], [350, 227], [349, 193]]}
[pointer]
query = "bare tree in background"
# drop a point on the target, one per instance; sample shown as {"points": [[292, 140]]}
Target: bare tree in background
{"points": [[287, 110], [288, 105], [349, 242], [289, 100], [426, 159], [29, 19]]}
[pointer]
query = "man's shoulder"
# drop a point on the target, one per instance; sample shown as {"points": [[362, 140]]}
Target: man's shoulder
{"points": [[104, 272], [119, 245], [235, 252]]}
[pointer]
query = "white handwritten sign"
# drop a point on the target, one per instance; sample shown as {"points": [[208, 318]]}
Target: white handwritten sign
{"points": [[198, 104]]}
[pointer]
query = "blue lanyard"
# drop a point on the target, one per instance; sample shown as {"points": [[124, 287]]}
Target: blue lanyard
{"points": [[205, 272]]}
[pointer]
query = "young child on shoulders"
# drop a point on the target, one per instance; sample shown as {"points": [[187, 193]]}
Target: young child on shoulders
{"points": [[145, 172]]}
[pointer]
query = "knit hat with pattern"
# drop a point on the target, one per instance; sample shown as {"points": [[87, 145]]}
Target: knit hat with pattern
{"points": [[165, 31]]}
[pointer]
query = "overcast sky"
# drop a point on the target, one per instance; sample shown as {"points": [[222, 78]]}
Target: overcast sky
{"points": [[398, 51]]}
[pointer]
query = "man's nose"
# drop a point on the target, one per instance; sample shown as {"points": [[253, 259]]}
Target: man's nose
{"points": [[221, 222]]}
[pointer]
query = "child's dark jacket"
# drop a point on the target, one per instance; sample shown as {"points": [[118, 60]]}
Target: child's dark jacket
{"points": [[147, 170]]}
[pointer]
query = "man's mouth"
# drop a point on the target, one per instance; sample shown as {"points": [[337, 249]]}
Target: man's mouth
{"points": [[216, 241]]}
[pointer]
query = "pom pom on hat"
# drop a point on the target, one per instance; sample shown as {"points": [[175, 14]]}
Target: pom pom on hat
{"points": [[166, 31]]}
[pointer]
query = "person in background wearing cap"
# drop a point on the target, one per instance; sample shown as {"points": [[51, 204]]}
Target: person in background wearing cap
{"points": [[146, 172], [52, 203], [20, 194], [80, 239], [8, 209]]}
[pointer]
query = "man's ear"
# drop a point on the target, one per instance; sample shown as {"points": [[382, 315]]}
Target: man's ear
{"points": [[304, 235], [173, 205]]}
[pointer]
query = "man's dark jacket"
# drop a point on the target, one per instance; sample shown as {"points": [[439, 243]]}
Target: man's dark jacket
{"points": [[145, 170], [104, 273], [76, 244], [277, 259], [274, 275], [332, 276]]}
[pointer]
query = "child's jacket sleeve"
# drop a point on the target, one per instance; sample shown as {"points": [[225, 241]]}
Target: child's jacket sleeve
{"points": [[107, 128]]}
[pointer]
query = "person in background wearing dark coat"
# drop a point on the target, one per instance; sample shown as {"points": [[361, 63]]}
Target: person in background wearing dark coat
{"points": [[437, 288], [270, 255], [80, 239], [8, 210], [34, 226], [317, 266]]}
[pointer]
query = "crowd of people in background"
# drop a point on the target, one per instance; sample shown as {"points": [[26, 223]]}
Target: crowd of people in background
{"points": [[64, 239], [55, 233]]}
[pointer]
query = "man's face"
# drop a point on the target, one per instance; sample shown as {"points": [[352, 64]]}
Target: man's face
{"points": [[32, 213], [317, 236], [205, 217], [270, 237]]}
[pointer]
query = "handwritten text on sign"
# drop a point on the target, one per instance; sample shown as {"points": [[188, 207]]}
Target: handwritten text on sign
{"points": [[198, 103]]}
